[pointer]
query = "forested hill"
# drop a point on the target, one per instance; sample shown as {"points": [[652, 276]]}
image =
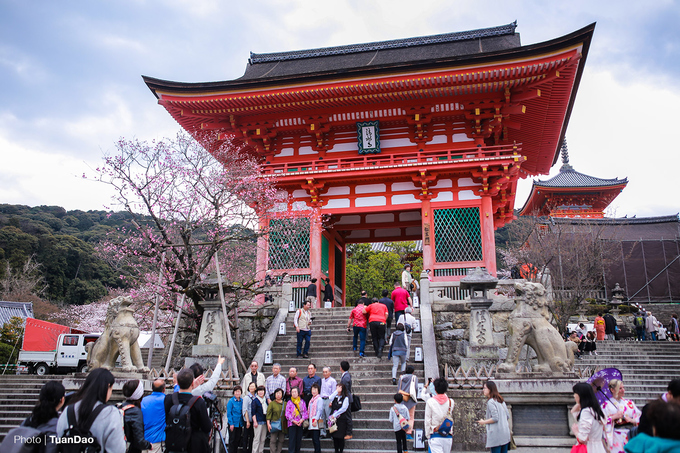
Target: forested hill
{"points": [[63, 243]]}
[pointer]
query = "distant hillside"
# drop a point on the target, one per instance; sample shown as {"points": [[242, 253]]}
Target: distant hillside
{"points": [[63, 242]]}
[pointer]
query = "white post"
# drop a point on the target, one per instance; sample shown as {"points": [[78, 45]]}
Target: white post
{"points": [[155, 314], [174, 333]]}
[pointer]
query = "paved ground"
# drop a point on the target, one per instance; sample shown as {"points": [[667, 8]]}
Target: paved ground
{"points": [[533, 449]]}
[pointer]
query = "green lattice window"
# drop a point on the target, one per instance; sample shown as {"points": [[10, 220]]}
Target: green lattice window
{"points": [[324, 255], [289, 244], [457, 235]]}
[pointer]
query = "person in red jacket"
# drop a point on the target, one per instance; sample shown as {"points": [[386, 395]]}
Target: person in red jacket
{"points": [[401, 298], [377, 321]]}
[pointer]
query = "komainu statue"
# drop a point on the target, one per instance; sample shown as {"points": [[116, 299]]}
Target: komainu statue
{"points": [[119, 339], [529, 323]]}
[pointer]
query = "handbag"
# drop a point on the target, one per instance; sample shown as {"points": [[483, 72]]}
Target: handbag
{"points": [[332, 428], [305, 424], [446, 428], [579, 448], [356, 403], [276, 426], [406, 395], [402, 421]]}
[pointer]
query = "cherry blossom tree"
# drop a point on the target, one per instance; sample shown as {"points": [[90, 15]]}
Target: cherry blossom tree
{"points": [[189, 200]]}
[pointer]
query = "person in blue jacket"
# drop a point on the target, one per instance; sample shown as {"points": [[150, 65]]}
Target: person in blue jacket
{"points": [[153, 412], [235, 419]]}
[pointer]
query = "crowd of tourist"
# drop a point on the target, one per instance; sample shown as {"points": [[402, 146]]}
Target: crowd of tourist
{"points": [[618, 426]]}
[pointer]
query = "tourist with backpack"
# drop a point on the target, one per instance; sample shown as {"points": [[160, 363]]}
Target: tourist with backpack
{"points": [[133, 420], [398, 348], [408, 320], [639, 322], [187, 423], [438, 410], [42, 423], [88, 416]]}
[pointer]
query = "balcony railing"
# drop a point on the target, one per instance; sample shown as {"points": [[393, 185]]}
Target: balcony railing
{"points": [[411, 158]]}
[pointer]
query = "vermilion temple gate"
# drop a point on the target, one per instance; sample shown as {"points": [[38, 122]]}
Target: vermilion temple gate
{"points": [[421, 138]]}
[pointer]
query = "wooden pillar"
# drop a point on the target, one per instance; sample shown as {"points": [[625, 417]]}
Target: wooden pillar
{"points": [[488, 239], [427, 221], [315, 251]]}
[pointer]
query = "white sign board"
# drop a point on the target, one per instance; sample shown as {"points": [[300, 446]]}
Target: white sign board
{"points": [[418, 439], [282, 328], [416, 326], [416, 302], [419, 354], [268, 358], [291, 306]]}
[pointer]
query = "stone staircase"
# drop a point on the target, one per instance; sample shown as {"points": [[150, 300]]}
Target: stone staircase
{"points": [[371, 378], [18, 395], [647, 366]]}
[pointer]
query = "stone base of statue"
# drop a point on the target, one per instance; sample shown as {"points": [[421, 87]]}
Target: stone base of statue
{"points": [[212, 339], [73, 383], [540, 406]]}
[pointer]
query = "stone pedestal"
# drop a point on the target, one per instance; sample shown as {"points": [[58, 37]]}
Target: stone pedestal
{"points": [[539, 408], [212, 339], [481, 350]]}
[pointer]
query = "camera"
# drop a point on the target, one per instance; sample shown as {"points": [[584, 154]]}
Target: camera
{"points": [[210, 399]]}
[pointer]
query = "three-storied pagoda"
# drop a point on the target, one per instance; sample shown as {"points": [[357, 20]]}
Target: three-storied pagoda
{"points": [[572, 194], [419, 138]]}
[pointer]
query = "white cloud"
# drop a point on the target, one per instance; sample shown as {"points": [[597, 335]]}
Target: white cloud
{"points": [[35, 177], [625, 130]]}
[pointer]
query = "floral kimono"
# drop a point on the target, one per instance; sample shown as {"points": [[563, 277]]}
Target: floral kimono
{"points": [[617, 435]]}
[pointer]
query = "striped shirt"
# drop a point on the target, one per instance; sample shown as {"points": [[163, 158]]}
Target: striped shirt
{"points": [[275, 382]]}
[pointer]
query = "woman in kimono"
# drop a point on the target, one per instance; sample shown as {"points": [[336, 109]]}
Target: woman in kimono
{"points": [[622, 414]]}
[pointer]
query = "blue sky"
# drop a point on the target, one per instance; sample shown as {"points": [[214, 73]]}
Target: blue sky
{"points": [[70, 78]]}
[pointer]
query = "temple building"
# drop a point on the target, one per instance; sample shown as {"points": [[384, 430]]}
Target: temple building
{"points": [[412, 139], [572, 194]]}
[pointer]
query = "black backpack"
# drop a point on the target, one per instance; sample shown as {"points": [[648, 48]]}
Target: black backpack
{"points": [[178, 425], [79, 439]]}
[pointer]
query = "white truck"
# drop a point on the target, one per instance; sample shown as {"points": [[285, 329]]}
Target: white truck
{"points": [[44, 353]]}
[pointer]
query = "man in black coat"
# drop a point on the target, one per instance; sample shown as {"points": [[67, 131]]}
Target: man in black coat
{"points": [[609, 327], [346, 380]]}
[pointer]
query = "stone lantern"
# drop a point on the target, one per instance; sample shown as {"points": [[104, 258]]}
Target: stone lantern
{"points": [[481, 346], [617, 300]]}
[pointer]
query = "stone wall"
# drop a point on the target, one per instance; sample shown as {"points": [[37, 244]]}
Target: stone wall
{"points": [[470, 406]]}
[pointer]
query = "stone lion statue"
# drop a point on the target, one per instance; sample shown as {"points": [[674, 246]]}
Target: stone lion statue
{"points": [[119, 339], [529, 323]]}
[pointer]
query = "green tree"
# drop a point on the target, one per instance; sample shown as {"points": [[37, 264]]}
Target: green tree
{"points": [[11, 334]]}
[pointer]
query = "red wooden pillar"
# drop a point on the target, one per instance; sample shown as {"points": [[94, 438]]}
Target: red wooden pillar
{"points": [[488, 239], [427, 221], [262, 250], [315, 251]]}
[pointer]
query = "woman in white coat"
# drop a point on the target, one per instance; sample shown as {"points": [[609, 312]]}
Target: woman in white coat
{"points": [[589, 428]]}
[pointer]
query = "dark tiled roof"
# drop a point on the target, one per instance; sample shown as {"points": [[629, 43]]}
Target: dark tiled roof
{"points": [[19, 309], [672, 219], [571, 178], [384, 45], [381, 54]]}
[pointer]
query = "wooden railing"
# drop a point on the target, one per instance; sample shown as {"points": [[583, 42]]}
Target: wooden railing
{"points": [[370, 161]]}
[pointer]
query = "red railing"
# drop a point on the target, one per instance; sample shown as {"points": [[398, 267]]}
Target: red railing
{"points": [[393, 159]]}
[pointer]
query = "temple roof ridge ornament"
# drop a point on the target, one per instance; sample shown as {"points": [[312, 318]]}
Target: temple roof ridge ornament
{"points": [[565, 157], [383, 45]]}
